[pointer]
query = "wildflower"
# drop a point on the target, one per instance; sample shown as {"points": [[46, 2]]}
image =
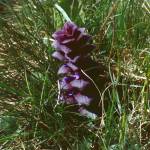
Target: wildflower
{"points": [[72, 44]]}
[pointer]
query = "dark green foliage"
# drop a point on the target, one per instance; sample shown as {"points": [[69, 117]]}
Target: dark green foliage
{"points": [[8, 125]]}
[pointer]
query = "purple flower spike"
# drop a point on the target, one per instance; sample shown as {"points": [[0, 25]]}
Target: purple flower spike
{"points": [[72, 45]]}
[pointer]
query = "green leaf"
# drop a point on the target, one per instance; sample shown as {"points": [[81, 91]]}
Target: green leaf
{"points": [[63, 12], [8, 125]]}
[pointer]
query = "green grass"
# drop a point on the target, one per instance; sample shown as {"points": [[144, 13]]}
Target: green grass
{"points": [[30, 116]]}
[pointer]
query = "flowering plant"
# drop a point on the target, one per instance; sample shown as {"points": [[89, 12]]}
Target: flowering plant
{"points": [[72, 46]]}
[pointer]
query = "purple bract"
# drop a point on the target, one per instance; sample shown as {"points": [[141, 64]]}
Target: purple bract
{"points": [[71, 43]]}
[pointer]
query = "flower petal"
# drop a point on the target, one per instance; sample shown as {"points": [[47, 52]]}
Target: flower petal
{"points": [[65, 85], [69, 27], [82, 99], [77, 75], [61, 47], [66, 41], [82, 30], [57, 34], [87, 113], [72, 66], [67, 99], [64, 69], [80, 84], [58, 55]]}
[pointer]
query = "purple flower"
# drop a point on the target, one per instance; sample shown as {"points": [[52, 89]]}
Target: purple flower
{"points": [[80, 84], [67, 98], [67, 68], [64, 69], [74, 97], [85, 112], [65, 83], [71, 42], [59, 55], [82, 99]]}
